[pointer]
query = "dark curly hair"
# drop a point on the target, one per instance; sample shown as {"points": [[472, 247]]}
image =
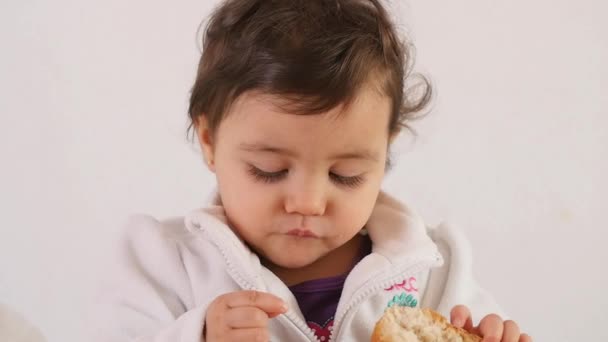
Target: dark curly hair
{"points": [[316, 54]]}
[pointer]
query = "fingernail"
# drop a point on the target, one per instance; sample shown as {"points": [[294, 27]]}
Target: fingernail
{"points": [[284, 306], [458, 322]]}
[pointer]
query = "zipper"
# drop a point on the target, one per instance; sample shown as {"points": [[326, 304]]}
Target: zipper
{"points": [[372, 288], [303, 326], [247, 285], [234, 274]]}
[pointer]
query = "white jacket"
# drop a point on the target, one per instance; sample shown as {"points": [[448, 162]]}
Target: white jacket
{"points": [[169, 271]]}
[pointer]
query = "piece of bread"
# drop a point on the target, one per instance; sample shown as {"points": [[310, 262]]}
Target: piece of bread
{"points": [[405, 324]]}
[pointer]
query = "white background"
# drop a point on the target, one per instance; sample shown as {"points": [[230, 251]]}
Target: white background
{"points": [[93, 99]]}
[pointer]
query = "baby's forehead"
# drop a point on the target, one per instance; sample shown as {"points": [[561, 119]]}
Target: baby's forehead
{"points": [[257, 120]]}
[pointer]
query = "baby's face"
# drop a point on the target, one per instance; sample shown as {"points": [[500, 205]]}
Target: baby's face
{"points": [[296, 187]]}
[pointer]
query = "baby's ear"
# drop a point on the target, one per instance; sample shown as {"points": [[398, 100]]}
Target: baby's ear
{"points": [[203, 133]]}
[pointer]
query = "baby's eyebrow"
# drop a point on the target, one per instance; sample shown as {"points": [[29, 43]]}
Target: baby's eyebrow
{"points": [[362, 154], [357, 154], [259, 147]]}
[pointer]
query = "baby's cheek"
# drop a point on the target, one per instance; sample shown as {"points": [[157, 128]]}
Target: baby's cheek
{"points": [[354, 217]]}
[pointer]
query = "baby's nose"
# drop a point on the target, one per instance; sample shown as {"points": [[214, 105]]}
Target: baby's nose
{"points": [[309, 201]]}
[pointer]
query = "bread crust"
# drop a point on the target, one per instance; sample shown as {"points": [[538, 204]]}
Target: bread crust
{"points": [[382, 326], [438, 318]]}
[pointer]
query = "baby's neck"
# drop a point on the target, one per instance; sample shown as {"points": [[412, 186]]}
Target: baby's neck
{"points": [[337, 262]]}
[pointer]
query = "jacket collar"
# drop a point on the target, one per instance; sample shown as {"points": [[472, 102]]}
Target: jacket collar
{"points": [[397, 232]]}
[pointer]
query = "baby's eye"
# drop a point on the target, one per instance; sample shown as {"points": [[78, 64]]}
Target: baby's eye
{"points": [[267, 177], [351, 182]]}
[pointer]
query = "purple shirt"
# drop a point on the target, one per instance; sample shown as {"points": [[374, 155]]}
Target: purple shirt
{"points": [[318, 299]]}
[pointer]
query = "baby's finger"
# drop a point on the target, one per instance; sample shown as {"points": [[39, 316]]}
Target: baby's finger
{"points": [[460, 316], [264, 301], [491, 328], [511, 332], [525, 338], [246, 317], [251, 334]]}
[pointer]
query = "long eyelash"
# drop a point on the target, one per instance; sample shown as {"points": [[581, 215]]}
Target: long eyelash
{"points": [[266, 177], [351, 182], [271, 177]]}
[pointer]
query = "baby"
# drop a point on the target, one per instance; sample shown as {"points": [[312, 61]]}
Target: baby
{"points": [[295, 106]]}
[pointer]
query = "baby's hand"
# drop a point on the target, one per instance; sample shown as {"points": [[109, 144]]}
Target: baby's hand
{"points": [[242, 316], [491, 327]]}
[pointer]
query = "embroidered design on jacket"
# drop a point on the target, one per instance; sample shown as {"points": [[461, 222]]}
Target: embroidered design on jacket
{"points": [[403, 299], [408, 294], [407, 285]]}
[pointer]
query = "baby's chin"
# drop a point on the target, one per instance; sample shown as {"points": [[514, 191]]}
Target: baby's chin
{"points": [[294, 263], [290, 259]]}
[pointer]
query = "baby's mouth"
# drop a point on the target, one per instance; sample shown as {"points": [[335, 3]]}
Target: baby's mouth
{"points": [[303, 233]]}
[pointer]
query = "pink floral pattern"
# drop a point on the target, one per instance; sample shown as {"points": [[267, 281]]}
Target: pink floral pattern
{"points": [[322, 332]]}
